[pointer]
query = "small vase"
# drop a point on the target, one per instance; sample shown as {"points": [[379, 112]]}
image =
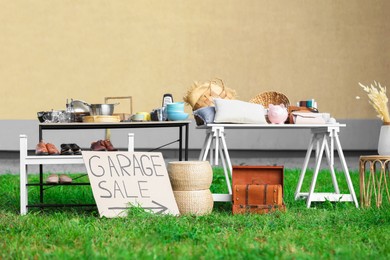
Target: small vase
{"points": [[384, 140]]}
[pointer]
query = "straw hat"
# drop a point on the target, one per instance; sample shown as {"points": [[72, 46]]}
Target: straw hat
{"points": [[199, 202], [190, 175]]}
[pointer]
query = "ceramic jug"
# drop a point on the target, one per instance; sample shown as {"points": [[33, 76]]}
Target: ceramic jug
{"points": [[277, 114]]}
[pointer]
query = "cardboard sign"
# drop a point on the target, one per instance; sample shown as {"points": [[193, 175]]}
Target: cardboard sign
{"points": [[120, 180]]}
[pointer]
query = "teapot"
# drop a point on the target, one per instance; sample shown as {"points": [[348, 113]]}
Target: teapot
{"points": [[277, 114]]}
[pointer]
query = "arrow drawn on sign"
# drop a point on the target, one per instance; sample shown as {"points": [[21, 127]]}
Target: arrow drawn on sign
{"points": [[159, 207]]}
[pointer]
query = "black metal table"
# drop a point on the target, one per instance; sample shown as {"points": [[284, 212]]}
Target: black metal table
{"points": [[112, 125]]}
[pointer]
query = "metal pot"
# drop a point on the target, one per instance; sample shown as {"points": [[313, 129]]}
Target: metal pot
{"points": [[53, 116], [80, 106], [102, 109]]}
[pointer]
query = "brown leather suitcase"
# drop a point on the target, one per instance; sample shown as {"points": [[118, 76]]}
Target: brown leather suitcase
{"points": [[257, 189], [252, 198]]}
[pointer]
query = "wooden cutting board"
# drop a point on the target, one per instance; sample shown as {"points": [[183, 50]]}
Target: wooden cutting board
{"points": [[101, 119]]}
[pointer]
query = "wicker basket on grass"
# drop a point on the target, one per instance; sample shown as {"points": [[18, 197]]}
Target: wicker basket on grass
{"points": [[190, 175], [191, 182], [195, 202], [270, 97]]}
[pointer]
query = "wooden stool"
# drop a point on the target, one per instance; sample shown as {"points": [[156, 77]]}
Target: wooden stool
{"points": [[375, 183]]}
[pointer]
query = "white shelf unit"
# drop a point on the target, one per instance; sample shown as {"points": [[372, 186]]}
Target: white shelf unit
{"points": [[26, 160]]}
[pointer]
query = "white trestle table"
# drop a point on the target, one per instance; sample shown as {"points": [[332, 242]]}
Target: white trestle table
{"points": [[324, 139]]}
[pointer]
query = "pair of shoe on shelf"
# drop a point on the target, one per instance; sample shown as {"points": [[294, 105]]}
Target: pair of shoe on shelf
{"points": [[43, 148], [55, 179], [103, 145], [70, 149]]}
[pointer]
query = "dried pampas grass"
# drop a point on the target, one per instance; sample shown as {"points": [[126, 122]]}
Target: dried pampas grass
{"points": [[378, 99]]}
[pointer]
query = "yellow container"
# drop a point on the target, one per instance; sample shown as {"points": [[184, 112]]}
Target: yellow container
{"points": [[145, 114]]}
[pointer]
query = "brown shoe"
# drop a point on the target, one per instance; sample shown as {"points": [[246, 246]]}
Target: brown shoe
{"points": [[52, 149], [65, 179], [107, 143], [41, 149], [52, 179], [98, 146]]}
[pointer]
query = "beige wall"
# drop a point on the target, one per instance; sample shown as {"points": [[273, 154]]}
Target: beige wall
{"points": [[53, 50]]}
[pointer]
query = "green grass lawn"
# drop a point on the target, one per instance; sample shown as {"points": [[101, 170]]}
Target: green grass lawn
{"points": [[325, 231]]}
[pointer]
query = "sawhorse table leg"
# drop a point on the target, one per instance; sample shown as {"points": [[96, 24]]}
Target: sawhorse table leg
{"points": [[319, 139], [215, 145]]}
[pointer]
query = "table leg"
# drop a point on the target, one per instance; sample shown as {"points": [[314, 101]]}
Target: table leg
{"points": [[317, 169], [226, 153], [345, 168], [386, 178], [225, 170], [221, 148], [380, 186], [180, 143], [186, 143], [329, 156], [41, 183], [362, 171], [317, 149], [216, 150], [23, 175], [206, 146], [130, 142], [305, 164], [371, 188], [212, 150], [23, 190]]}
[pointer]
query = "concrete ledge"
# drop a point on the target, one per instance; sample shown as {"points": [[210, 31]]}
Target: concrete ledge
{"points": [[359, 135], [291, 159]]}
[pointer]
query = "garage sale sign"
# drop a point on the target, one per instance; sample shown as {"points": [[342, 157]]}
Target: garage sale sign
{"points": [[120, 180]]}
